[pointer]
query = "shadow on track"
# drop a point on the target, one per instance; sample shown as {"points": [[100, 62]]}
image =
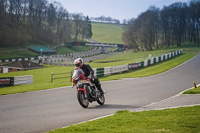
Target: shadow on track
{"points": [[113, 106]]}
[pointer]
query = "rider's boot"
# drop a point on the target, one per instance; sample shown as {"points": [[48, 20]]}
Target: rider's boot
{"points": [[100, 89]]}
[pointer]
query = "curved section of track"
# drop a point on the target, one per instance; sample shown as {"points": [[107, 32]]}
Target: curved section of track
{"points": [[50, 109]]}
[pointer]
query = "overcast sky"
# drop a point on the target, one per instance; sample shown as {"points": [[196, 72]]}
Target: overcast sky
{"points": [[118, 9]]}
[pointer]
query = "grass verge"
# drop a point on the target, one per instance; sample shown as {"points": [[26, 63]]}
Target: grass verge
{"points": [[193, 91], [185, 119], [66, 50]]}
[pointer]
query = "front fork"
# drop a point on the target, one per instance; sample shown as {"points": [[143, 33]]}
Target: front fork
{"points": [[85, 92]]}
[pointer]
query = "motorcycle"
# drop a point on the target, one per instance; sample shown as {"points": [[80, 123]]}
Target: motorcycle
{"points": [[86, 89]]}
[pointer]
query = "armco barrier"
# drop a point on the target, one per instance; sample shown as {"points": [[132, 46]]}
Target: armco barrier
{"points": [[18, 59], [99, 72], [142, 64], [107, 70], [95, 72], [133, 66], [117, 69], [75, 55], [145, 63]]}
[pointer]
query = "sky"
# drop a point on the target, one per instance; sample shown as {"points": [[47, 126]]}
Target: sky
{"points": [[118, 9]]}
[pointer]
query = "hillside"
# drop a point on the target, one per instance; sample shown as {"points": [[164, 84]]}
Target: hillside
{"points": [[102, 32], [107, 33]]}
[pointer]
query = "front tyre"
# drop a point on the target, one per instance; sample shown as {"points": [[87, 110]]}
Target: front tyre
{"points": [[101, 100], [82, 100]]}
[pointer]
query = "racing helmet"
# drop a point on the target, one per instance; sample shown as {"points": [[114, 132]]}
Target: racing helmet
{"points": [[78, 62]]}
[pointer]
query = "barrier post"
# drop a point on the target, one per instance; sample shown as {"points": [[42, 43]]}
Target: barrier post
{"points": [[51, 77], [71, 76]]}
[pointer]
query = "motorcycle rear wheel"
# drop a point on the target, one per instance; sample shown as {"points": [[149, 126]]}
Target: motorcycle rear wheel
{"points": [[101, 100], [82, 100]]}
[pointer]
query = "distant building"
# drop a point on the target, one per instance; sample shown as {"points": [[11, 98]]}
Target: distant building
{"points": [[19, 66]]}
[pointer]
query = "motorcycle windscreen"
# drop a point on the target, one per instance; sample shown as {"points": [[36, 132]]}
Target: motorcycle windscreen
{"points": [[77, 73]]}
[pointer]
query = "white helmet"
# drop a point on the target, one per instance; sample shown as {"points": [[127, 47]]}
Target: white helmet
{"points": [[78, 62]]}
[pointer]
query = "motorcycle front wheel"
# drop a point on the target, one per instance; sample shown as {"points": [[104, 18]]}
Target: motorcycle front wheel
{"points": [[101, 100], [82, 100]]}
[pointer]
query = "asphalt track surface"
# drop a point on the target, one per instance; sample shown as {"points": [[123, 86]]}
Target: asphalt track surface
{"points": [[41, 111]]}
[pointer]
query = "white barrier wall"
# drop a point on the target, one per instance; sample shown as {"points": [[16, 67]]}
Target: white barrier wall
{"points": [[161, 58], [116, 69], [170, 55], [166, 57], [145, 63], [107, 70], [157, 59], [27, 79], [120, 68], [152, 61], [95, 71]]}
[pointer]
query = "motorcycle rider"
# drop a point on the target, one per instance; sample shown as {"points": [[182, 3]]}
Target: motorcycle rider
{"points": [[88, 72]]}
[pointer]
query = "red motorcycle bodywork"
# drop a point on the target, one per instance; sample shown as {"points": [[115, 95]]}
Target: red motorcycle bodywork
{"points": [[82, 89], [82, 78]]}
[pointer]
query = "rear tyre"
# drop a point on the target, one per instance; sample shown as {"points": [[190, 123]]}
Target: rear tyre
{"points": [[101, 100], [82, 100]]}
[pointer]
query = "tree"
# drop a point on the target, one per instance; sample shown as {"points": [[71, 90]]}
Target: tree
{"points": [[77, 25], [173, 25], [89, 28], [35, 21], [142, 33]]}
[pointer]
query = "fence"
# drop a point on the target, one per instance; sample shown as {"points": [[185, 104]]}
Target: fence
{"points": [[62, 77], [18, 59], [54, 58], [100, 72]]}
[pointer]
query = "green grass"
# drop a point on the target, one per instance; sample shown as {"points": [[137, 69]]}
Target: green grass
{"points": [[66, 50], [179, 120], [193, 91], [42, 77], [41, 80], [107, 33]]}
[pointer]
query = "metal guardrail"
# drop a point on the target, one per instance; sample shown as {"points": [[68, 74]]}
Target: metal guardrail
{"points": [[100, 72]]}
